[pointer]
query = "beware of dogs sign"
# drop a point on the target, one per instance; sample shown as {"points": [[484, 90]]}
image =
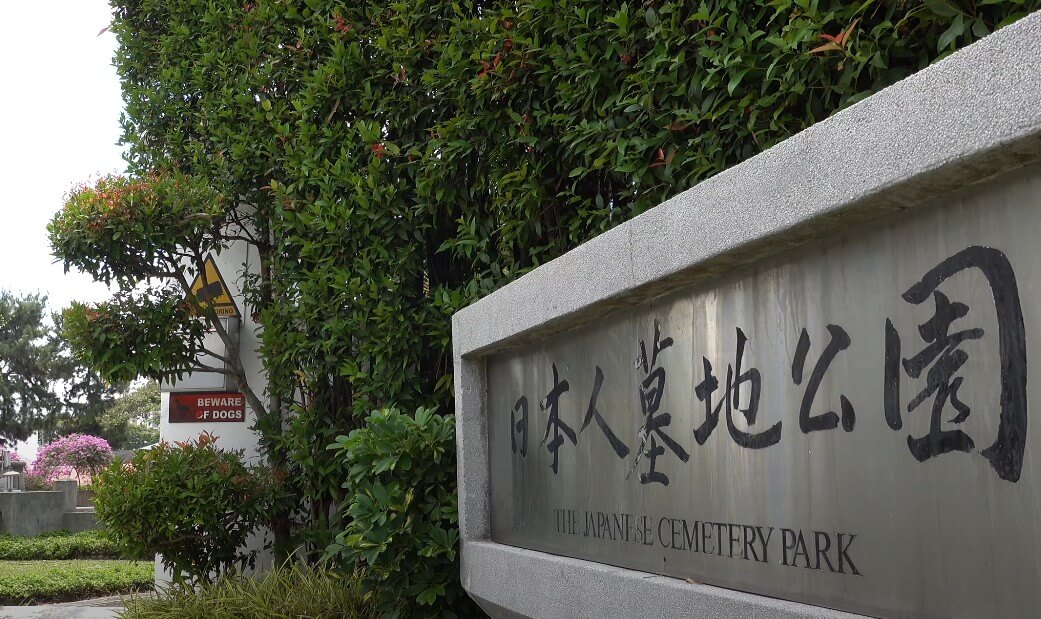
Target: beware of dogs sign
{"points": [[207, 407]]}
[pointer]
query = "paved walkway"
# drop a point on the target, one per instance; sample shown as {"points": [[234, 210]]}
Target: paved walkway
{"points": [[97, 608], [58, 611]]}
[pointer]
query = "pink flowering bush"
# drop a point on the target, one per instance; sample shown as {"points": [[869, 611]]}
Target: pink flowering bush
{"points": [[77, 455]]}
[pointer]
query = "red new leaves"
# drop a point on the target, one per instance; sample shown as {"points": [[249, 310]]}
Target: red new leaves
{"points": [[838, 41]]}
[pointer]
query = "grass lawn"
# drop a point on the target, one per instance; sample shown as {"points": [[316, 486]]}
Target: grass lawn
{"points": [[31, 582]]}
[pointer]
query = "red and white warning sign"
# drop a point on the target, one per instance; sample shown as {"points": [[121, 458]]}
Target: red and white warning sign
{"points": [[207, 407]]}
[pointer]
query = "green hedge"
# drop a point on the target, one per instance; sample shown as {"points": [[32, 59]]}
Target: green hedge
{"points": [[62, 545], [33, 582], [428, 152]]}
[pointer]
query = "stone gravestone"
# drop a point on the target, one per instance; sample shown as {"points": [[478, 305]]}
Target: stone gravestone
{"points": [[11, 479], [802, 388]]}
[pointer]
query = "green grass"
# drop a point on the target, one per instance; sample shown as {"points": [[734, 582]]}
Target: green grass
{"points": [[31, 582], [290, 592], [60, 545]]}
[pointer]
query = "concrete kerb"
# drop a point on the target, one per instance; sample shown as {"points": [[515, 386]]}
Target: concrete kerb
{"points": [[959, 122], [58, 612], [566, 585]]}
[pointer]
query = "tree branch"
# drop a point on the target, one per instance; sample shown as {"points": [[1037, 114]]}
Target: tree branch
{"points": [[234, 358], [245, 230], [215, 355]]}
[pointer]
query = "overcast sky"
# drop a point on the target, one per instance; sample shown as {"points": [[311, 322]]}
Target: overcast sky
{"points": [[59, 113]]}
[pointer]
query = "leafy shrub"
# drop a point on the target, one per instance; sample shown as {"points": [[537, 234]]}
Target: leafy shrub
{"points": [[191, 502], [59, 545], [34, 481], [290, 591], [82, 454], [33, 582], [401, 509], [430, 152]]}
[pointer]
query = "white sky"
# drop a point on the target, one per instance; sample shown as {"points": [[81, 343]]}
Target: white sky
{"points": [[59, 123]]}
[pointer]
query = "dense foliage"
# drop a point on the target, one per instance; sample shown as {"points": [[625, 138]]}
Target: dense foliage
{"points": [[392, 162], [78, 455], [59, 545], [401, 512], [433, 151], [288, 591], [135, 334], [191, 502]]}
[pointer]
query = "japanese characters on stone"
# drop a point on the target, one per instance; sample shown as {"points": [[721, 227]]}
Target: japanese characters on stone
{"points": [[933, 358]]}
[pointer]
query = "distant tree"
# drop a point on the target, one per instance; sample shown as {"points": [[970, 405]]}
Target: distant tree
{"points": [[83, 399], [27, 361], [45, 388], [132, 421], [83, 393]]}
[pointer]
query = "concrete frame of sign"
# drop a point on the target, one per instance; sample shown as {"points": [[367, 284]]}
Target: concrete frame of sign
{"points": [[961, 121]]}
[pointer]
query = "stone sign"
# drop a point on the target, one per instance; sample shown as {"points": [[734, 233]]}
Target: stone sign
{"points": [[814, 428], [805, 387]]}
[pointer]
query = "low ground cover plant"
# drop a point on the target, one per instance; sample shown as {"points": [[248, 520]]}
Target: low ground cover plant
{"points": [[33, 582], [59, 545], [291, 591]]}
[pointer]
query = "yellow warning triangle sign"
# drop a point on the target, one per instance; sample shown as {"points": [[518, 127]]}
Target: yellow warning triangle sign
{"points": [[210, 290]]}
